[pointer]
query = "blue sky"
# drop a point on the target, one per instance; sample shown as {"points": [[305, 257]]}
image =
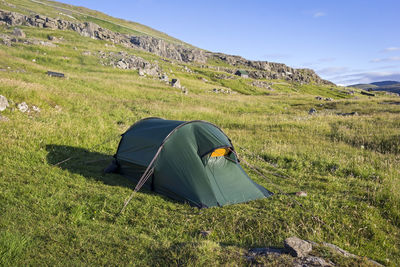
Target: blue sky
{"points": [[346, 42]]}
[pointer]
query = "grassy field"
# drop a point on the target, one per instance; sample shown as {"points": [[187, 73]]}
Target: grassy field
{"points": [[67, 214]]}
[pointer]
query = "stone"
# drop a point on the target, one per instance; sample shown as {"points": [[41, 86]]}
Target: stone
{"points": [[176, 83], [318, 98], [141, 72], [122, 65], [184, 90], [297, 247], [19, 33], [312, 111], [301, 194], [204, 80], [36, 109], [164, 77], [205, 233], [328, 99], [312, 261], [23, 107], [3, 103]]}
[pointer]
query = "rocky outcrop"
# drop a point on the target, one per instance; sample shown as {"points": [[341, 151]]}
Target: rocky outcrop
{"points": [[304, 253], [92, 30], [123, 60], [168, 50], [162, 48], [271, 70]]}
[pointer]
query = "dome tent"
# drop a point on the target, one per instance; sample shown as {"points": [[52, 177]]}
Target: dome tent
{"points": [[191, 161]]}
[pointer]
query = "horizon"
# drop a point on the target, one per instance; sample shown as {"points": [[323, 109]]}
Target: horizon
{"points": [[346, 42]]}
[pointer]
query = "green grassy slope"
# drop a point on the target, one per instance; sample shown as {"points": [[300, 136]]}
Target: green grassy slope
{"points": [[66, 214]]}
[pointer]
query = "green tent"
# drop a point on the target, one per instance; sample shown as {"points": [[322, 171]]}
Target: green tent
{"points": [[192, 161]]}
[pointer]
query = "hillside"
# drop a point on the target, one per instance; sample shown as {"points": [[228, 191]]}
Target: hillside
{"points": [[58, 134], [387, 86]]}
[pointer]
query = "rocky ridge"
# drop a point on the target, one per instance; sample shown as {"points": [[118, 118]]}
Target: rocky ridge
{"points": [[256, 69]]}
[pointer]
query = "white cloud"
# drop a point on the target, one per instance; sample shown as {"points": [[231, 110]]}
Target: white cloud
{"points": [[391, 49], [386, 59], [366, 77], [319, 14]]}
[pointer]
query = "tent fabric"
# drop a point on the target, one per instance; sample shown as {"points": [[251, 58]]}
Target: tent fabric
{"points": [[183, 166]]}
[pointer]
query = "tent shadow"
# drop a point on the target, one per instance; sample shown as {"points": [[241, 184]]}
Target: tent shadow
{"points": [[86, 163]]}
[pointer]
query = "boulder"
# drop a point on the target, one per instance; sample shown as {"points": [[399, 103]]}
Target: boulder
{"points": [[297, 247], [176, 83], [312, 261], [205, 233], [301, 194], [23, 107], [3, 103], [312, 111], [122, 65], [19, 33], [36, 109]]}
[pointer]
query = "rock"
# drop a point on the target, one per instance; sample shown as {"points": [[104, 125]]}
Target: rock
{"points": [[297, 247], [141, 72], [122, 65], [55, 74], [205, 233], [266, 251], [23, 107], [58, 108], [176, 83], [36, 109], [312, 111], [3, 103], [311, 261], [318, 98], [328, 99], [164, 77], [184, 90], [19, 33], [261, 84], [301, 194], [204, 80], [86, 53]]}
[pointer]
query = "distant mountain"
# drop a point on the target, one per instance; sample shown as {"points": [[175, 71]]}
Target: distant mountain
{"points": [[385, 83], [388, 86]]}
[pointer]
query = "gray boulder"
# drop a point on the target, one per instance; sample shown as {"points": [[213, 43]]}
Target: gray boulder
{"points": [[19, 33], [3, 103], [23, 107], [297, 247], [312, 111]]}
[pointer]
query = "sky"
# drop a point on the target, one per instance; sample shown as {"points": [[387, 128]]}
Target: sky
{"points": [[346, 42]]}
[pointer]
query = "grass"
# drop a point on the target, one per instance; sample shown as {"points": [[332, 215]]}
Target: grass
{"points": [[66, 215]]}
